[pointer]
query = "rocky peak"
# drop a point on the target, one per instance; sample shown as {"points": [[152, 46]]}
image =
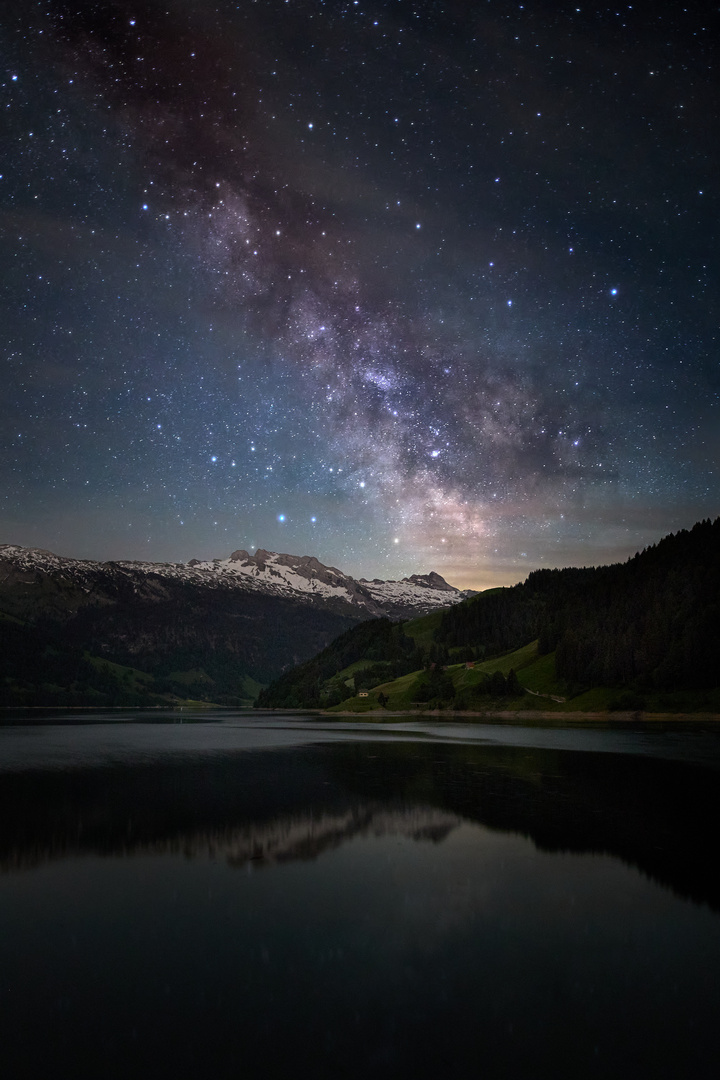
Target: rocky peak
{"points": [[237, 556], [431, 581]]}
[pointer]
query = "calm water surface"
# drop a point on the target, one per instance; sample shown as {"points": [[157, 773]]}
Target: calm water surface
{"points": [[283, 896]]}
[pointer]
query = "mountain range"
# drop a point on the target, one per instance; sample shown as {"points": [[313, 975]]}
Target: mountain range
{"points": [[644, 633], [209, 630], [297, 577]]}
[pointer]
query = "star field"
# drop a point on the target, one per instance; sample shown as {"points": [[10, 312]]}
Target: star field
{"points": [[404, 286]]}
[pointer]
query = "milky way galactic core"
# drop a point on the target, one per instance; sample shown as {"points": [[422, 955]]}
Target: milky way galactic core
{"points": [[403, 286]]}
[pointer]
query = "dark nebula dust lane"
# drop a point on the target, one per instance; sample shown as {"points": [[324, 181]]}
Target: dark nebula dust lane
{"points": [[404, 286]]}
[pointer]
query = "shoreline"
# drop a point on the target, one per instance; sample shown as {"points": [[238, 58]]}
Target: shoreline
{"points": [[526, 715]]}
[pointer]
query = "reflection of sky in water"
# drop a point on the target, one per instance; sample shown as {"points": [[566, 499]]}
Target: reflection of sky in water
{"points": [[385, 954], [391, 903]]}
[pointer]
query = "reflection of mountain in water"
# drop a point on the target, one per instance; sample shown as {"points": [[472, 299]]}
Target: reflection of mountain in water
{"points": [[258, 808], [272, 807], [305, 837], [285, 839]]}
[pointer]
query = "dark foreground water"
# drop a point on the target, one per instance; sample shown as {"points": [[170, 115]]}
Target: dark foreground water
{"points": [[276, 897]]}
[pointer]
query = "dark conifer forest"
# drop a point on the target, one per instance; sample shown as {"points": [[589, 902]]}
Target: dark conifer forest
{"points": [[653, 621]]}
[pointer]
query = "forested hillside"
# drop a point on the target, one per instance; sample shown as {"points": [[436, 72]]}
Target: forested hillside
{"points": [[380, 649], [651, 624], [653, 621], [188, 645]]}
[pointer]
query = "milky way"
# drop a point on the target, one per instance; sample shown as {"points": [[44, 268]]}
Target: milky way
{"points": [[404, 286]]}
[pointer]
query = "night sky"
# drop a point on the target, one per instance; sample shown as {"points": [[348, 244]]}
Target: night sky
{"points": [[405, 286]]}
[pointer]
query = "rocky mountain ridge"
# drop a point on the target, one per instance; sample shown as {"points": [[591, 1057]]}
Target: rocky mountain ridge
{"points": [[297, 577], [205, 630]]}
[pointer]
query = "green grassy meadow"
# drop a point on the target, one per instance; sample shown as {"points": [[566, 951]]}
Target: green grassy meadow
{"points": [[542, 690]]}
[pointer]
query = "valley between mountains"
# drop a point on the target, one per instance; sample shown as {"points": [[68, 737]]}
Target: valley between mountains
{"points": [[285, 631], [77, 632]]}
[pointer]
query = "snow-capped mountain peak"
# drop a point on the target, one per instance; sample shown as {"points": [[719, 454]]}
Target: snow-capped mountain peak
{"points": [[300, 577]]}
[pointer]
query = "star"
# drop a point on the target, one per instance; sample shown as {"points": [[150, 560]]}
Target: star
{"points": [[474, 386]]}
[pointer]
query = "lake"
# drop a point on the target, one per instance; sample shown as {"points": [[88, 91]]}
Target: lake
{"points": [[271, 896]]}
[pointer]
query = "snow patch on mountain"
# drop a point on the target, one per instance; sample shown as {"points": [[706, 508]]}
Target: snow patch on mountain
{"points": [[299, 577]]}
